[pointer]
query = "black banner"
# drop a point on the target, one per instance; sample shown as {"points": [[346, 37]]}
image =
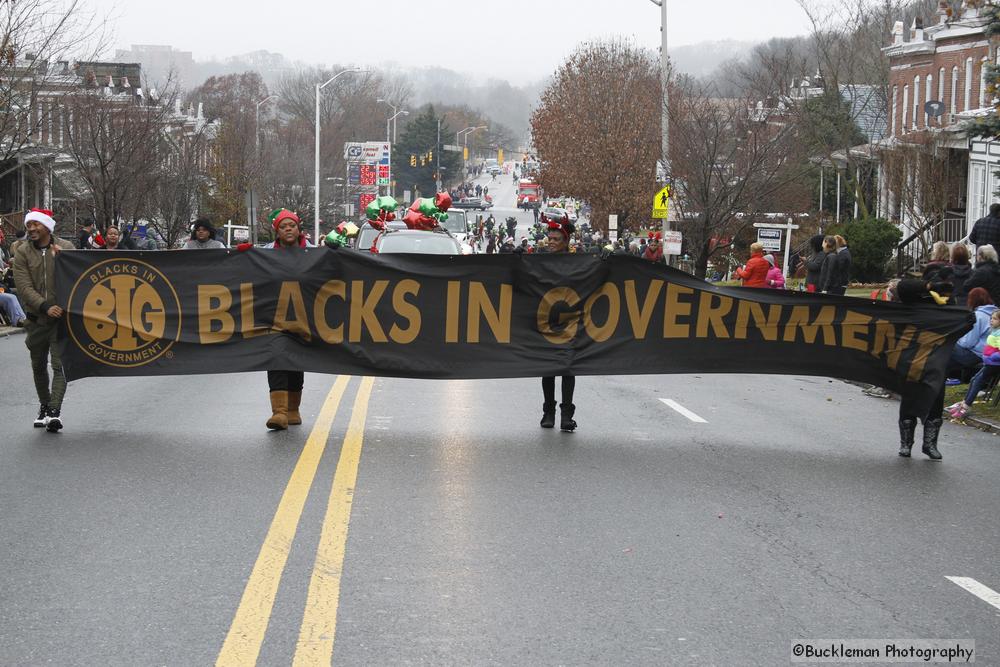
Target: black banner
{"points": [[486, 316]]}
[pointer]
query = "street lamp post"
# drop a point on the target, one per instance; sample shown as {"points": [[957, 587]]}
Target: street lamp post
{"points": [[465, 145], [664, 76], [319, 87], [252, 222]]}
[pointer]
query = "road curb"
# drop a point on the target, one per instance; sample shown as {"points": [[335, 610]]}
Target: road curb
{"points": [[11, 331], [974, 422]]}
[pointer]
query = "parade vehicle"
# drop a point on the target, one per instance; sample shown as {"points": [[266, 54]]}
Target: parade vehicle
{"points": [[556, 213], [417, 241], [529, 194], [368, 234], [494, 170], [457, 225], [473, 203]]}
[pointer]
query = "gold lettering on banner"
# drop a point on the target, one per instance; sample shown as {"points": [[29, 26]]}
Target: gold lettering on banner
{"points": [[568, 321], [330, 289], [480, 306], [602, 333], [927, 342], [799, 322], [712, 308], [767, 326], [363, 311], [854, 325], [886, 342], [291, 295], [406, 310], [451, 311], [214, 302], [249, 328], [676, 308], [640, 317]]}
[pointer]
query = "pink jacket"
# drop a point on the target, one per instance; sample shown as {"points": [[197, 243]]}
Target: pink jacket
{"points": [[774, 278]]}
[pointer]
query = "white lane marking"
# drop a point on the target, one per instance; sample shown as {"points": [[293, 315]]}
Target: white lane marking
{"points": [[671, 403], [984, 593]]}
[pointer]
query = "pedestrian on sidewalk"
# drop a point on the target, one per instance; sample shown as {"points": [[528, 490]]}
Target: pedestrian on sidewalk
{"points": [[987, 272], [967, 354], [754, 273], [558, 237], [11, 308], [35, 277], [203, 236], [85, 239], [961, 269], [990, 369], [814, 265], [986, 230], [775, 278]]}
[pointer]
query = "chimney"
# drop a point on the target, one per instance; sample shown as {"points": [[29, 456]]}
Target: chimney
{"points": [[943, 12], [897, 32], [970, 10], [201, 111], [917, 30]]}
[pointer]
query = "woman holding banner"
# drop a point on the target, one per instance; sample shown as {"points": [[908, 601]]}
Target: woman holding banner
{"points": [[560, 232]]}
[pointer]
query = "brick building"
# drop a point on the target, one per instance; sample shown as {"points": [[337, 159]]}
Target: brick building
{"points": [[941, 64]]}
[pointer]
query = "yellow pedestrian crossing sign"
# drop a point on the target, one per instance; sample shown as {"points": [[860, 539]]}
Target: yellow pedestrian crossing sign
{"points": [[660, 203]]}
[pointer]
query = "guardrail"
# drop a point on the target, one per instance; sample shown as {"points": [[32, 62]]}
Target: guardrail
{"points": [[912, 251]]}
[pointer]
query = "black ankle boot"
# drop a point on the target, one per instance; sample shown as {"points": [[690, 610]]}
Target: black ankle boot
{"points": [[548, 414], [907, 429], [932, 427], [566, 422]]}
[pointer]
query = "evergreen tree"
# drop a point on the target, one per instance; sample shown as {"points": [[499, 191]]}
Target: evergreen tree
{"points": [[988, 127], [419, 141]]}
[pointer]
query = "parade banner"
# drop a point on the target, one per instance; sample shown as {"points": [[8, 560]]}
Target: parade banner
{"points": [[481, 316]]}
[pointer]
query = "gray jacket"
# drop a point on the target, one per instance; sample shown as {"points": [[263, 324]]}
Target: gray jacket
{"points": [[210, 244]]}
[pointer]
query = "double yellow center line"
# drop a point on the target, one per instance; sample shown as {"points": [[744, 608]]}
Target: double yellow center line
{"points": [[315, 643]]}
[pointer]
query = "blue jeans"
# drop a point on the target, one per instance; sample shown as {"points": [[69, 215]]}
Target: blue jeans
{"points": [[979, 380], [11, 308], [962, 358]]}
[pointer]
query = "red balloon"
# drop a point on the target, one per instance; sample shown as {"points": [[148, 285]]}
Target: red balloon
{"points": [[443, 201]]}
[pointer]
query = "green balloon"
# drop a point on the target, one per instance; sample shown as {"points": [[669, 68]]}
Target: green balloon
{"points": [[428, 207], [372, 210], [387, 203]]}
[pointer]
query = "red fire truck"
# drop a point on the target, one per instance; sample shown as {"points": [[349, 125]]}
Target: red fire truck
{"points": [[529, 194]]}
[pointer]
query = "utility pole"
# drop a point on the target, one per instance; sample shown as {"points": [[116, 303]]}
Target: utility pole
{"points": [[437, 157], [663, 170]]}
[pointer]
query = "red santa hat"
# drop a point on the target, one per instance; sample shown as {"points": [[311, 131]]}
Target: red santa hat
{"points": [[41, 215], [283, 214]]}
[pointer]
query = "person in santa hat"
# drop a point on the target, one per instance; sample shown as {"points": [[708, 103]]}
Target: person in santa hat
{"points": [[654, 251], [35, 277], [560, 231], [285, 387]]}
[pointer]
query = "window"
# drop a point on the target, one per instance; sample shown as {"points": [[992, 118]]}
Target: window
{"points": [[977, 190], [916, 101], [982, 82], [953, 108], [895, 108], [928, 94], [906, 106], [968, 84]]}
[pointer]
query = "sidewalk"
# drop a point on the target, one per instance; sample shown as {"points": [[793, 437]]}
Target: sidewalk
{"points": [[982, 423], [10, 331]]}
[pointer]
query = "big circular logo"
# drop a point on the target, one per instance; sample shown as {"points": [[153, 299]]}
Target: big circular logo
{"points": [[125, 313]]}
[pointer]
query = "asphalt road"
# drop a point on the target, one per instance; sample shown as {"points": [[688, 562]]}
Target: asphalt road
{"points": [[436, 523]]}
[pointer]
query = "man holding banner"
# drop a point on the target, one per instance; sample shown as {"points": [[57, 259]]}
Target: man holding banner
{"points": [[559, 234]]}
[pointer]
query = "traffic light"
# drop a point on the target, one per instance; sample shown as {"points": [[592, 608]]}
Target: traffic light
{"points": [[413, 160], [430, 156]]}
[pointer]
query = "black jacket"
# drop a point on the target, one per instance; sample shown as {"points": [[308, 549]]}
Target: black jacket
{"points": [[986, 231], [843, 268], [959, 275], [814, 265], [828, 273], [985, 275]]}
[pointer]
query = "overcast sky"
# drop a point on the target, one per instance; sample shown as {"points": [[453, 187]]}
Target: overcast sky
{"points": [[520, 40]]}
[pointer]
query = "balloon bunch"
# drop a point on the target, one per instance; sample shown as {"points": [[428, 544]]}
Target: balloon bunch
{"points": [[426, 214], [339, 237], [380, 211]]}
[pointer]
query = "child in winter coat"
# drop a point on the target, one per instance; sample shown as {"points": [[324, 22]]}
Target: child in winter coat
{"points": [[775, 279], [990, 369]]}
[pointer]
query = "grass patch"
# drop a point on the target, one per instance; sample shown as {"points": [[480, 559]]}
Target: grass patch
{"points": [[979, 409]]}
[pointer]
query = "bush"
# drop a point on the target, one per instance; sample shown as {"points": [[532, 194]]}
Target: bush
{"points": [[872, 242]]}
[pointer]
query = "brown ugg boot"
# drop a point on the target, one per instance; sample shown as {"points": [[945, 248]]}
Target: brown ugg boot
{"points": [[294, 418], [279, 408]]}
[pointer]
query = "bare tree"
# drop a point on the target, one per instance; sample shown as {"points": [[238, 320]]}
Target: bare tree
{"points": [[729, 163], [596, 130], [182, 178]]}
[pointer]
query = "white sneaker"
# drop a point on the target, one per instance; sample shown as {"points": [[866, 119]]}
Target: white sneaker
{"points": [[42, 419]]}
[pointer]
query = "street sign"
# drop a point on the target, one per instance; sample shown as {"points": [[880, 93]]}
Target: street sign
{"points": [[452, 148], [672, 243], [353, 150], [241, 234], [613, 223], [770, 239], [661, 202]]}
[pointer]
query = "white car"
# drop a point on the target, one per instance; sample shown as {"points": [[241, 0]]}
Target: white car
{"points": [[418, 242]]}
